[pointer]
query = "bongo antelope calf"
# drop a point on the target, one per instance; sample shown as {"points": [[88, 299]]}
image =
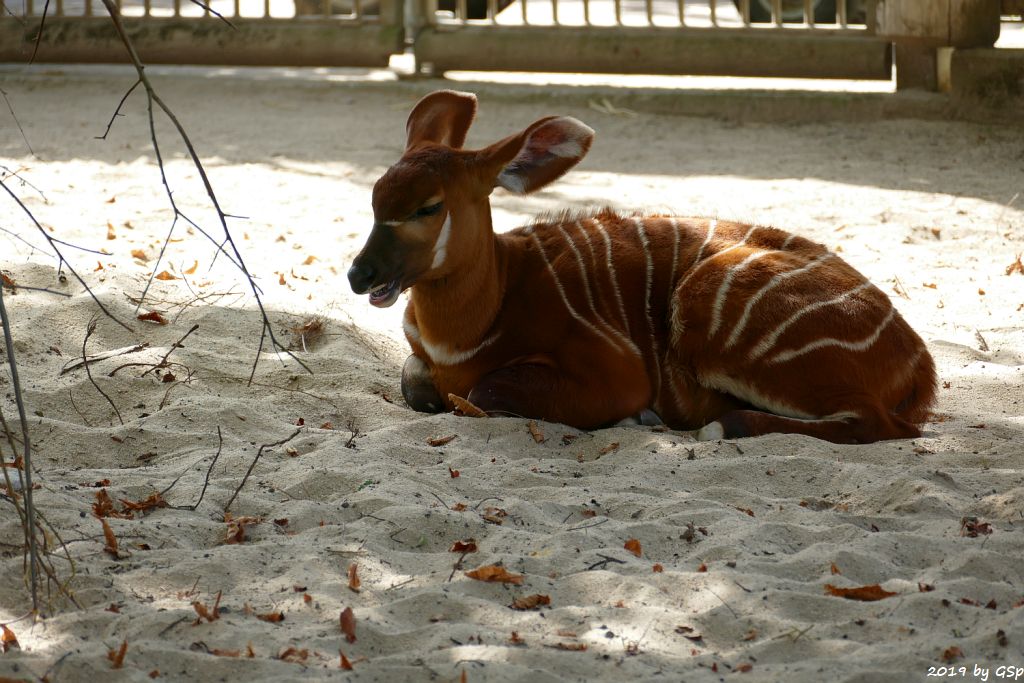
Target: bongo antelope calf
{"points": [[590, 318]]}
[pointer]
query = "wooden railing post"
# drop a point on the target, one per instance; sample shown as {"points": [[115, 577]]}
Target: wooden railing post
{"points": [[923, 30]]}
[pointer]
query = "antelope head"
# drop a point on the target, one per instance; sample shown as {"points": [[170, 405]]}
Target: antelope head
{"points": [[431, 214]]}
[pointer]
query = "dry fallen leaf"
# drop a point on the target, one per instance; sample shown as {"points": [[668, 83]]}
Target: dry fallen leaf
{"points": [[155, 500], [454, 474], [116, 657], [164, 275], [535, 432], [744, 667], [571, 647], [441, 440], [835, 569], [657, 569], [348, 624], [465, 407], [353, 578], [211, 615], [271, 617], [192, 270], [294, 655], [344, 664], [951, 653], [111, 541], [633, 546], [531, 602], [8, 639], [863, 593], [140, 254], [467, 546], [614, 446], [493, 573]]}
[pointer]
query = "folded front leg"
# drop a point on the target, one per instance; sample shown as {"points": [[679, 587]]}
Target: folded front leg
{"points": [[542, 392]]}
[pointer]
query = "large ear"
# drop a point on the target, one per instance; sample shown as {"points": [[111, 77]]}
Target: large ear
{"points": [[443, 117], [540, 154]]}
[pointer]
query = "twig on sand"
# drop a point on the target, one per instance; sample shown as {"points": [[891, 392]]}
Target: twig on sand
{"points": [[252, 465]]}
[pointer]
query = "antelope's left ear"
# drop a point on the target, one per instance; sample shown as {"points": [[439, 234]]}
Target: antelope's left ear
{"points": [[540, 154]]}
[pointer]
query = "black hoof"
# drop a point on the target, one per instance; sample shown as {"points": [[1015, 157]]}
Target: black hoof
{"points": [[418, 388]]}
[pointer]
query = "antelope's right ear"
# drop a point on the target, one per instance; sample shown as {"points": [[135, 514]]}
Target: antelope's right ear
{"points": [[443, 117], [540, 154]]}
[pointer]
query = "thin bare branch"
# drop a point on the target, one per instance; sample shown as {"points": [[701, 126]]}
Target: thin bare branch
{"points": [[255, 460], [117, 112], [206, 481], [213, 12], [26, 457], [61, 260], [85, 359], [154, 99], [10, 108], [39, 36]]}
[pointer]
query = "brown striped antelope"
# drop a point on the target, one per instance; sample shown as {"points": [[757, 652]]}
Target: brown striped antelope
{"points": [[587, 319]]}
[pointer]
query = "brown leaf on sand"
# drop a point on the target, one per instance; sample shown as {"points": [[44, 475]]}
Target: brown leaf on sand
{"points": [[467, 546], [493, 573], [633, 546], [353, 578], [155, 500], [454, 474], [835, 569], [571, 647], [1016, 266], [111, 540], [164, 275], [862, 593], [140, 254], [116, 657], [535, 431], [744, 667], [294, 655], [972, 527], [441, 440], [210, 614], [271, 617], [348, 624], [613, 446], [465, 407], [152, 317], [951, 653], [104, 506], [344, 664], [236, 527], [192, 270], [8, 639], [531, 602]]}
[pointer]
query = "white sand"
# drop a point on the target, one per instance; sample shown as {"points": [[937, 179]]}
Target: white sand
{"points": [[931, 209]]}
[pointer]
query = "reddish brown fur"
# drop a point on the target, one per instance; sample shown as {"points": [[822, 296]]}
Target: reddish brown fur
{"points": [[539, 322]]}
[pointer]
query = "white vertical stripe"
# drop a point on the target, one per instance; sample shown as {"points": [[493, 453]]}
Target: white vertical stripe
{"points": [[770, 285], [645, 244], [723, 289], [589, 294], [609, 260], [675, 262], [565, 300]]}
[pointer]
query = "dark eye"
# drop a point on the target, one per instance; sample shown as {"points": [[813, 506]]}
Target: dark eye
{"points": [[428, 210]]}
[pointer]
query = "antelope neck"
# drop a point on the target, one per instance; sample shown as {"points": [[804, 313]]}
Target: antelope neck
{"points": [[458, 310]]}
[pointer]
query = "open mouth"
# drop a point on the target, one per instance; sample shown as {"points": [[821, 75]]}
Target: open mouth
{"points": [[386, 294]]}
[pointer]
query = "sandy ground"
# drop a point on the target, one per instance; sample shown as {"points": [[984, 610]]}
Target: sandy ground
{"points": [[747, 534]]}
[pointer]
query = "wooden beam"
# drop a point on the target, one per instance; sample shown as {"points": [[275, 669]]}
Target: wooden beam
{"points": [[646, 50], [255, 42]]}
